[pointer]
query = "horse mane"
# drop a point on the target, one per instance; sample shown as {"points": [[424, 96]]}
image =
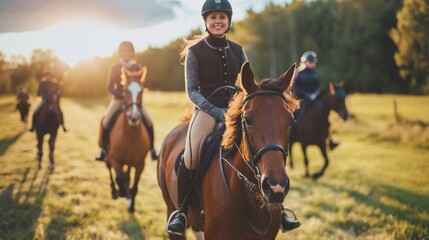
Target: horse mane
{"points": [[233, 129]]}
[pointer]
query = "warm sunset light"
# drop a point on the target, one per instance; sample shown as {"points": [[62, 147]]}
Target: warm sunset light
{"points": [[76, 40]]}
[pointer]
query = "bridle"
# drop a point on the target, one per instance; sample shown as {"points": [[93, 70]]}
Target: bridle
{"points": [[138, 106], [251, 187], [270, 147]]}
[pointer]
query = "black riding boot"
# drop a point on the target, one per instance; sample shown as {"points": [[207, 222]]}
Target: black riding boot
{"points": [[61, 120], [288, 223], [33, 121], [104, 140], [153, 152], [177, 222]]}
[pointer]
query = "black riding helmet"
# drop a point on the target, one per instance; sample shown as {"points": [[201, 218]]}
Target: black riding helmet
{"points": [[217, 6], [310, 56]]}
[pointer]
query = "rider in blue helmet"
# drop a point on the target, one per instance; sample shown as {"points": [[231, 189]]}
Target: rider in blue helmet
{"points": [[307, 86]]}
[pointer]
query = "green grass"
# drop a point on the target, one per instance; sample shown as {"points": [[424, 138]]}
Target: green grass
{"points": [[376, 187]]}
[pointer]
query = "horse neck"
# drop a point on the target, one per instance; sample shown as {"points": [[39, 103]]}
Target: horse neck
{"points": [[242, 165], [327, 104], [238, 188]]}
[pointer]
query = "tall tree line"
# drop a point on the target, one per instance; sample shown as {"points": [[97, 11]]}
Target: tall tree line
{"points": [[375, 46]]}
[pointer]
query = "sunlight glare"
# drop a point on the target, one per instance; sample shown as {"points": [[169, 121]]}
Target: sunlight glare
{"points": [[77, 40]]}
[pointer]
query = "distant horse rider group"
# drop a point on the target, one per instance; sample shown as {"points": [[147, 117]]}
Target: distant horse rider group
{"points": [[223, 167]]}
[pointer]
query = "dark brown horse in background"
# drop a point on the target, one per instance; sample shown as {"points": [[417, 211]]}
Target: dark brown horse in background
{"points": [[128, 140], [246, 180], [313, 128], [23, 107], [47, 122]]}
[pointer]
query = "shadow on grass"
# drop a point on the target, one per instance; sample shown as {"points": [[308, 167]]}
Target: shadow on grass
{"points": [[7, 106], [20, 212], [132, 228], [393, 203], [5, 143]]}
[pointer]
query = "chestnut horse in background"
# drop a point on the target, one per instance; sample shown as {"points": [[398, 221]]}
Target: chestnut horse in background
{"points": [[246, 181], [47, 122], [128, 139], [313, 128]]}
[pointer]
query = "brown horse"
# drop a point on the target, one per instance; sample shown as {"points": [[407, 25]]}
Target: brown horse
{"points": [[246, 180], [47, 122], [128, 140], [313, 128]]}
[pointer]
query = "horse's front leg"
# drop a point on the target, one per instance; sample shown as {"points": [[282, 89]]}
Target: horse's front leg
{"points": [[304, 152], [290, 156], [325, 157], [134, 189], [52, 139], [39, 149], [115, 194]]}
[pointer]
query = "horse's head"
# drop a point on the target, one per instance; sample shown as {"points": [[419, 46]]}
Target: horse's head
{"points": [[338, 100], [266, 118], [133, 88]]}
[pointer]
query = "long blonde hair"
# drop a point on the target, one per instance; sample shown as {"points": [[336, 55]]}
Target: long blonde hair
{"points": [[188, 43]]}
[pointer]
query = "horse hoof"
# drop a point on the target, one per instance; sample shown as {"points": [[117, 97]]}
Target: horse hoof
{"points": [[115, 195], [316, 176], [130, 206], [51, 166]]}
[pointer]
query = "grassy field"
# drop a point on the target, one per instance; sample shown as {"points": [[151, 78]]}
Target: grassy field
{"points": [[376, 187]]}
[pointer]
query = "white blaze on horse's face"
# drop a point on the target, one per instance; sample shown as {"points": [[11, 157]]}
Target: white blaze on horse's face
{"points": [[134, 89]]}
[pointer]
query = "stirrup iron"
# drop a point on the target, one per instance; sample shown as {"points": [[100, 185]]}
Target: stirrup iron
{"points": [[172, 216]]}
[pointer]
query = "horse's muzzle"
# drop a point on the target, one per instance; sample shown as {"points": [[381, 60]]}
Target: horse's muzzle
{"points": [[134, 119], [275, 191]]}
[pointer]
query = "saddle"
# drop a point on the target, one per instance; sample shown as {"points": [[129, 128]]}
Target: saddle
{"points": [[208, 148], [305, 103]]}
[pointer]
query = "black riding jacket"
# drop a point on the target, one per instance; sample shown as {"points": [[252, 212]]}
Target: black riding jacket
{"points": [[210, 64], [47, 89], [306, 83]]}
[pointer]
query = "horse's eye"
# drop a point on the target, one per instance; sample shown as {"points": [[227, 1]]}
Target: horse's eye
{"points": [[248, 122]]}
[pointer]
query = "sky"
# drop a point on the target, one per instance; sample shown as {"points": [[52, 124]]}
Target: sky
{"points": [[80, 29]]}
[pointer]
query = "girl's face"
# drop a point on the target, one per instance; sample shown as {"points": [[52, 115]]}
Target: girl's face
{"points": [[126, 53], [217, 23], [310, 65]]}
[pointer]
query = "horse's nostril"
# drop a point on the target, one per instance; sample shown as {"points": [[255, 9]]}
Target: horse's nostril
{"points": [[266, 185]]}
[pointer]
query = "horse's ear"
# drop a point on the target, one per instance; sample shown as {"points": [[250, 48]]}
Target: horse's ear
{"points": [[144, 73], [123, 76], [248, 78], [332, 88], [285, 80]]}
